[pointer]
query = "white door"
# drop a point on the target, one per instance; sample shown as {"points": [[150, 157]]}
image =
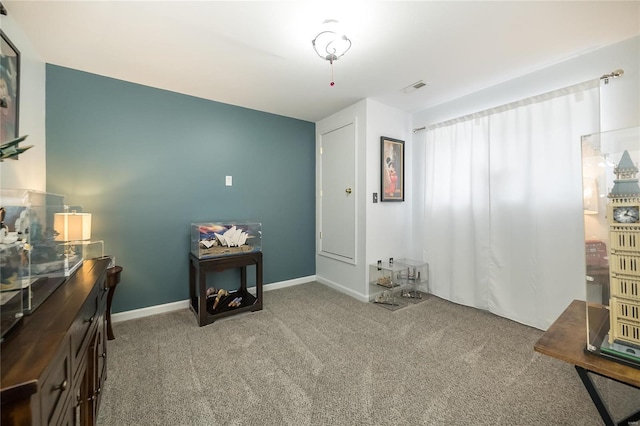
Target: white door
{"points": [[337, 194]]}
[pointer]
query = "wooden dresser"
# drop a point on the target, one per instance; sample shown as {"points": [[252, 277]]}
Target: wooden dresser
{"points": [[54, 364]]}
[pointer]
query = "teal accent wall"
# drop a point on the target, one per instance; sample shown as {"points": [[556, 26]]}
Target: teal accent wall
{"points": [[147, 163]]}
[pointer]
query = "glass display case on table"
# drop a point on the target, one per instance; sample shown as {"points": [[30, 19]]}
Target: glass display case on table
{"points": [[612, 243], [395, 283], [215, 239], [12, 276], [34, 260]]}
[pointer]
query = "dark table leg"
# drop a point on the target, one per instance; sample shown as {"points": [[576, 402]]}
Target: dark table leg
{"points": [[599, 403], [113, 279], [110, 334], [258, 305], [202, 300]]}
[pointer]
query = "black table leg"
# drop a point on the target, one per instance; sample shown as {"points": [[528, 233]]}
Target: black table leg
{"points": [[595, 396], [599, 403]]}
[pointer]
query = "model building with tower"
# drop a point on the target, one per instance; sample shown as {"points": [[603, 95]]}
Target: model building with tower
{"points": [[623, 217]]}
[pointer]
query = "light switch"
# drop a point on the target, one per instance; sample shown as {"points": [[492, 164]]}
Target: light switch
{"points": [[229, 181], [375, 197]]}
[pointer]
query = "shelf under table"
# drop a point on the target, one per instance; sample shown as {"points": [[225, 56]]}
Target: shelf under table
{"points": [[202, 306]]}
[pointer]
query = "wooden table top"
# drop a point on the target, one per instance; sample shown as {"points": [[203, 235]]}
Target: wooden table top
{"points": [[566, 340], [30, 349]]}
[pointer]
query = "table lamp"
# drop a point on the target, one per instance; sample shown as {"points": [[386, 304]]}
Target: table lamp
{"points": [[72, 227]]}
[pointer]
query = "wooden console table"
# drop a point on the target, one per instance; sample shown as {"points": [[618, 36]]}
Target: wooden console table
{"points": [[54, 363], [198, 269], [566, 340]]}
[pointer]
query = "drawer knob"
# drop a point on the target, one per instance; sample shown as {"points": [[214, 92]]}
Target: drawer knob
{"points": [[62, 386], [104, 355]]}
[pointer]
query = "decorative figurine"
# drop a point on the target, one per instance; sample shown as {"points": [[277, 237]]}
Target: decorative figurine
{"points": [[385, 281], [235, 302], [217, 239], [218, 294], [385, 298], [623, 216]]}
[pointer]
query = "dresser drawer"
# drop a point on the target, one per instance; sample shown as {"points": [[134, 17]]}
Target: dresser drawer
{"points": [[56, 387], [102, 297], [83, 327]]}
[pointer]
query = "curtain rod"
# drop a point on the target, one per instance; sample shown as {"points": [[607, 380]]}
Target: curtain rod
{"points": [[614, 74]]}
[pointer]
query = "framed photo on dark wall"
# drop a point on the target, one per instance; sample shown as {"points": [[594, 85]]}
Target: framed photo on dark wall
{"points": [[391, 169], [9, 89]]}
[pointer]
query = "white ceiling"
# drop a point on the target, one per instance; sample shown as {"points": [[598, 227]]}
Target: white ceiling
{"points": [[259, 54]]}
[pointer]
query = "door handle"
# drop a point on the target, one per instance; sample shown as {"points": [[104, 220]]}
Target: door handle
{"points": [[348, 190]]}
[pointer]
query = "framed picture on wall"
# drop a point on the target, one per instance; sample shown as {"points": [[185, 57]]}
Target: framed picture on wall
{"points": [[391, 169], [9, 89]]}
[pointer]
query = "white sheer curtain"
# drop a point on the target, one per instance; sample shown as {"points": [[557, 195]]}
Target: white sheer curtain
{"points": [[456, 222], [503, 205]]}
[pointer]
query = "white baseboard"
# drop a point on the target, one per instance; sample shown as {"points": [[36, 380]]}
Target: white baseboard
{"points": [[288, 283], [184, 304], [151, 310], [342, 289]]}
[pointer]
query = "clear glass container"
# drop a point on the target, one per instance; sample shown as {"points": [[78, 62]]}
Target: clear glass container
{"points": [[34, 260], [415, 276], [611, 194], [395, 283], [11, 283], [214, 239]]}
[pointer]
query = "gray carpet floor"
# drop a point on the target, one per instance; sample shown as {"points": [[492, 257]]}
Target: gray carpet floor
{"points": [[315, 356]]}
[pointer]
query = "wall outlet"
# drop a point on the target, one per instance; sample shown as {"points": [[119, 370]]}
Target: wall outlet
{"points": [[228, 181]]}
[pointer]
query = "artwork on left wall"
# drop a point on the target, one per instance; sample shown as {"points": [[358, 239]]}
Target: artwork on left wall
{"points": [[9, 89], [391, 169]]}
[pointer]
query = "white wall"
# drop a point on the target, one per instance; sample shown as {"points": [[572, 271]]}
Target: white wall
{"points": [[345, 277], [620, 100], [383, 229], [29, 172], [389, 230]]}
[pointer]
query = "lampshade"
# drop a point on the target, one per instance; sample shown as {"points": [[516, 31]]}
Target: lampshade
{"points": [[72, 226]]}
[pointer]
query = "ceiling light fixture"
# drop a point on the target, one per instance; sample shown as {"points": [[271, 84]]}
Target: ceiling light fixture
{"points": [[330, 44]]}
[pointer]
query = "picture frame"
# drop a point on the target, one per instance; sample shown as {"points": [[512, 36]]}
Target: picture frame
{"points": [[9, 89], [391, 169]]}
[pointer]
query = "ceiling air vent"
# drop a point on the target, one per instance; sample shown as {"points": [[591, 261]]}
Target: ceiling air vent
{"points": [[415, 86]]}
